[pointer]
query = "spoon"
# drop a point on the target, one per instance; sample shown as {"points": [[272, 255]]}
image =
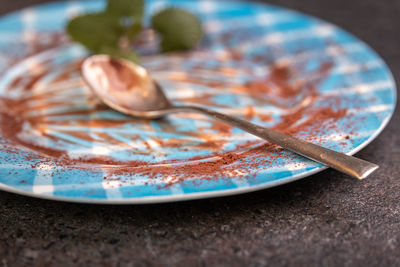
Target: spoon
{"points": [[129, 88]]}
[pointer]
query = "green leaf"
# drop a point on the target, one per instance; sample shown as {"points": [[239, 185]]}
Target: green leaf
{"points": [[130, 13], [179, 29], [117, 52], [96, 30], [134, 30], [112, 31], [128, 8]]}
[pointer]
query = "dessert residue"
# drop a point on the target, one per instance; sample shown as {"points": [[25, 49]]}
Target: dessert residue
{"points": [[48, 111]]}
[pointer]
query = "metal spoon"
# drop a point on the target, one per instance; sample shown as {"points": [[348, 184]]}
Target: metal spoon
{"points": [[129, 88]]}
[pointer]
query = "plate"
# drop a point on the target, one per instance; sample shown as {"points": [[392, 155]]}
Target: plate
{"points": [[272, 66]]}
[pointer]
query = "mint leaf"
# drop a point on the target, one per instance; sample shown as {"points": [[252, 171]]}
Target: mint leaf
{"points": [[130, 13], [117, 52], [113, 30], [126, 8], [179, 29], [96, 30], [132, 31]]}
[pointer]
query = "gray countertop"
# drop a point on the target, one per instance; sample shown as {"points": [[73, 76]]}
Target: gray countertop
{"points": [[326, 219]]}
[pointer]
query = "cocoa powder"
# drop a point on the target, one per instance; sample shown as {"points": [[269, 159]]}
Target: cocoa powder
{"points": [[306, 121]]}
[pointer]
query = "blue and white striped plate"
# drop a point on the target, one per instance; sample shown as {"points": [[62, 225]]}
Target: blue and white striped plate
{"points": [[58, 142]]}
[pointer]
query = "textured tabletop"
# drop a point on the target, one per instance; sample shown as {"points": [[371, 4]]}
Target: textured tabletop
{"points": [[327, 219]]}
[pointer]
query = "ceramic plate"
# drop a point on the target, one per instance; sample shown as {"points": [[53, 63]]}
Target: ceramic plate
{"points": [[272, 66]]}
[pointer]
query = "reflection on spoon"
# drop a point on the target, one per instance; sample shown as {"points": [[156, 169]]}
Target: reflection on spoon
{"points": [[129, 88]]}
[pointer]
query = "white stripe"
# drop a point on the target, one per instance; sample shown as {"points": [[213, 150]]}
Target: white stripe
{"points": [[358, 67], [157, 6], [28, 17], [241, 183], [112, 189], [73, 9], [153, 144], [175, 189], [213, 26], [132, 143], [362, 88], [348, 69], [265, 19], [324, 30], [207, 6], [100, 150], [43, 182], [15, 166], [279, 37], [271, 110], [372, 109], [6, 36], [296, 166], [344, 69], [342, 136], [331, 50]]}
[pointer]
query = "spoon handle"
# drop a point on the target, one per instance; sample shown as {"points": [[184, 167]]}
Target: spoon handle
{"points": [[352, 166]]}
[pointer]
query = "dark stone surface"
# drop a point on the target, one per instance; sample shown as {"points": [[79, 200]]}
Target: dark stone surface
{"points": [[324, 220]]}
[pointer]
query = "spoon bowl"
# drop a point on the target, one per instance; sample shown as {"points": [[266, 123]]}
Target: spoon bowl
{"points": [[129, 88], [125, 87]]}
